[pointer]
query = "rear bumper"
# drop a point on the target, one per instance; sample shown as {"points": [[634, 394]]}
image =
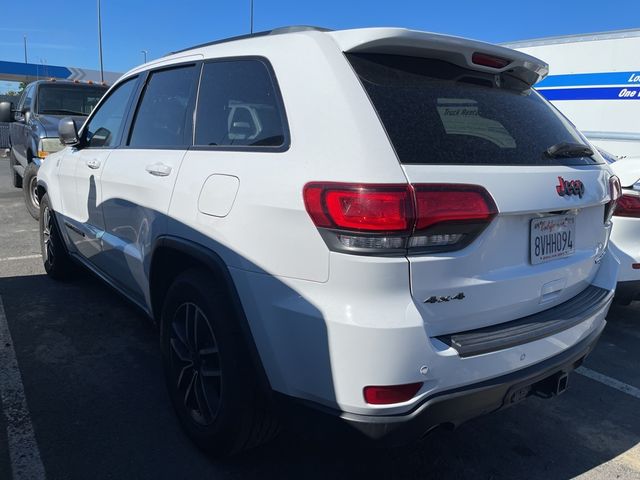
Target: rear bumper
{"points": [[451, 407], [533, 327]]}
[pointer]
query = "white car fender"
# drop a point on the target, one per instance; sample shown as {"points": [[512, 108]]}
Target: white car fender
{"points": [[627, 170]]}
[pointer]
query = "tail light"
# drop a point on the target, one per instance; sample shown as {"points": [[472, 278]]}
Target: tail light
{"points": [[615, 192], [628, 204], [397, 219], [450, 215]]}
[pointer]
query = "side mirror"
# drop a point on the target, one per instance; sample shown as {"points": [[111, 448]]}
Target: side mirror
{"points": [[26, 113], [68, 131], [6, 112]]}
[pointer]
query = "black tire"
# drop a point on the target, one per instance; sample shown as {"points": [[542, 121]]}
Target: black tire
{"points": [[29, 184], [16, 179], [57, 262], [210, 377]]}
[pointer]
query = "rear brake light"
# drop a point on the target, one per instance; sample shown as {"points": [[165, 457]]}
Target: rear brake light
{"points": [[487, 60], [450, 216], [628, 206], [615, 192], [365, 218], [452, 203], [369, 208], [377, 209], [388, 394]]}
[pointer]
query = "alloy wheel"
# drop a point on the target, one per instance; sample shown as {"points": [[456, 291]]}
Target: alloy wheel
{"points": [[33, 191], [47, 228], [195, 363]]}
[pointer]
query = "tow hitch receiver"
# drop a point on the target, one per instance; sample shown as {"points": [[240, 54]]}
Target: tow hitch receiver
{"points": [[554, 385], [546, 388]]}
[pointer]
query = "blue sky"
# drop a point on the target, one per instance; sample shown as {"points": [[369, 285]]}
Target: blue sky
{"points": [[65, 33]]}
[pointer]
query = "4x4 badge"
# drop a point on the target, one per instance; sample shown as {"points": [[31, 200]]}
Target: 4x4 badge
{"points": [[569, 187], [446, 298]]}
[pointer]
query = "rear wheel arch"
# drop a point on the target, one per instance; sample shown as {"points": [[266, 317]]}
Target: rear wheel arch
{"points": [[170, 257]]}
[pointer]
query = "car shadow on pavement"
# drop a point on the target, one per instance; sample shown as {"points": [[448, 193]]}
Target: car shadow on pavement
{"points": [[91, 368], [92, 371]]}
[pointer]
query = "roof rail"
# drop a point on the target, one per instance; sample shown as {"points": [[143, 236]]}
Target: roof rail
{"points": [[298, 28], [275, 31]]}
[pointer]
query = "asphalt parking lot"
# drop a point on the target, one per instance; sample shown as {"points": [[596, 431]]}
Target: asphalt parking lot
{"points": [[96, 406]]}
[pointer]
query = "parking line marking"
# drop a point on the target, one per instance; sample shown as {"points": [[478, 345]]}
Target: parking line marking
{"points": [[24, 257], [610, 382], [23, 230], [23, 449]]}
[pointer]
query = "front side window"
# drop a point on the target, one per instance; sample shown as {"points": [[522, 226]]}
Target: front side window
{"points": [[238, 106], [68, 99], [165, 114], [27, 98], [21, 101], [105, 127]]}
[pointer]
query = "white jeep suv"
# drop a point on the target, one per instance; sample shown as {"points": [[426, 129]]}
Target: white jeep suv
{"points": [[389, 228]]}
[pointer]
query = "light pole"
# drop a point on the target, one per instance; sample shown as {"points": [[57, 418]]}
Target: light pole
{"points": [[251, 17], [144, 52], [25, 49], [100, 42]]}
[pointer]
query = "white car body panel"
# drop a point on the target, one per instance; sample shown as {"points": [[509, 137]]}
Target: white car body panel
{"points": [[625, 235], [137, 186], [627, 170], [358, 325], [495, 266]]}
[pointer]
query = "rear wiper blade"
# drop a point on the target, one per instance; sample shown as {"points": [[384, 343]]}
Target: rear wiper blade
{"points": [[568, 150]]}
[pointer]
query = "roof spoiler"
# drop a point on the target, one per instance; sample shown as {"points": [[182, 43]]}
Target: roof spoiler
{"points": [[471, 54]]}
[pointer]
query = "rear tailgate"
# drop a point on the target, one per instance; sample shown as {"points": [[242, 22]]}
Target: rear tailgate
{"points": [[454, 125], [495, 274]]}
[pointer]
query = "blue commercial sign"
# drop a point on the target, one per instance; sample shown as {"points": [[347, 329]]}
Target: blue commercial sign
{"points": [[34, 70], [591, 86], [23, 72], [586, 79], [604, 93]]}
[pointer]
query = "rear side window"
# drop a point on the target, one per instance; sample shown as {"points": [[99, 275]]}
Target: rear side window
{"points": [[238, 106], [165, 113], [436, 112]]}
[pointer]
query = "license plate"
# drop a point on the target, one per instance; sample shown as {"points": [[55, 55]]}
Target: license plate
{"points": [[552, 238]]}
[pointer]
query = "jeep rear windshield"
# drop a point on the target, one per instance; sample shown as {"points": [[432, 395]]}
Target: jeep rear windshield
{"points": [[436, 112], [68, 99]]}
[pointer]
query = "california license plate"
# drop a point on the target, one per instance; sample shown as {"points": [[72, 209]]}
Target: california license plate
{"points": [[552, 238]]}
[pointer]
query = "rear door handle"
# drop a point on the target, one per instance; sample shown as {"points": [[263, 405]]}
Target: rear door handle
{"points": [[159, 169], [93, 163]]}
